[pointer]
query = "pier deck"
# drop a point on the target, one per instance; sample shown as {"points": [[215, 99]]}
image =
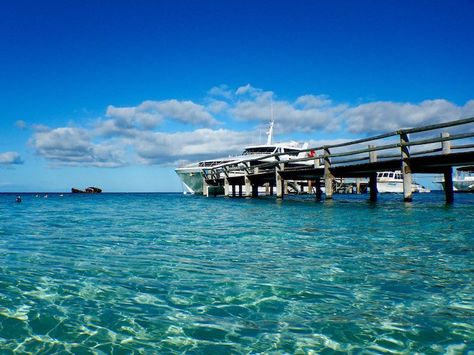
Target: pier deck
{"points": [[421, 150]]}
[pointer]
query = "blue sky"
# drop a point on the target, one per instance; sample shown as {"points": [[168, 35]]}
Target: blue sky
{"points": [[117, 93]]}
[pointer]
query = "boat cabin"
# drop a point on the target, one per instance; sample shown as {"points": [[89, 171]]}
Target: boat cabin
{"points": [[266, 150], [397, 175]]}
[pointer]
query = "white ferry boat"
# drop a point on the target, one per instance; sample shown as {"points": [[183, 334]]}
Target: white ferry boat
{"points": [[192, 175], [392, 181], [463, 180]]}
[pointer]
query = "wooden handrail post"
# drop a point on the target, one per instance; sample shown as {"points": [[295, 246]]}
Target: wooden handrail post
{"points": [[316, 162], [406, 168], [445, 145], [328, 177], [372, 154]]}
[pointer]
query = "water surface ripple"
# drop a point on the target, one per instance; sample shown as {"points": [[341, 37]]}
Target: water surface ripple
{"points": [[166, 273]]}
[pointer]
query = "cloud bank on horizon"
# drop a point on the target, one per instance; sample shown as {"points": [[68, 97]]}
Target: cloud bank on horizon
{"points": [[135, 135]]}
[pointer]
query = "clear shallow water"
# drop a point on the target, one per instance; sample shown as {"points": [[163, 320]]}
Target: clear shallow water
{"points": [[165, 273]]}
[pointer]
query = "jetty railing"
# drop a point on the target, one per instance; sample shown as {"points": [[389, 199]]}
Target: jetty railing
{"points": [[409, 150]]}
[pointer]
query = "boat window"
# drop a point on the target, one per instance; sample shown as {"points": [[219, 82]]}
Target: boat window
{"points": [[211, 163], [258, 150], [385, 174], [390, 175], [291, 151]]}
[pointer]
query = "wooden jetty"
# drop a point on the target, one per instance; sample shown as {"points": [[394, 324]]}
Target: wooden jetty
{"points": [[421, 150]]}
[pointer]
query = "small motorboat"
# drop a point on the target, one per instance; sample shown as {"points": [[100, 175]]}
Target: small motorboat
{"points": [[392, 181], [88, 190]]}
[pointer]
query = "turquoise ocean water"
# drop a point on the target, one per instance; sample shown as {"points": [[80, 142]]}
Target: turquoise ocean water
{"points": [[167, 273]]}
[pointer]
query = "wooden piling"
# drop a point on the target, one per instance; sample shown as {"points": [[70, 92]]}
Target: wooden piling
{"points": [[328, 187], [254, 190], [255, 185], [226, 187], [448, 185], [279, 181], [233, 190], [448, 173], [328, 177], [373, 187], [248, 186], [319, 192], [406, 169], [373, 176], [205, 188]]}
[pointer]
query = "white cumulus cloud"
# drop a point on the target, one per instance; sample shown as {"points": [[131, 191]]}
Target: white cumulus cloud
{"points": [[74, 146], [204, 143], [10, 158], [150, 114], [388, 116]]}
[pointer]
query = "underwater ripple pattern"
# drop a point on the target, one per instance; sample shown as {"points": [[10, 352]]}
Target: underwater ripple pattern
{"points": [[167, 273]]}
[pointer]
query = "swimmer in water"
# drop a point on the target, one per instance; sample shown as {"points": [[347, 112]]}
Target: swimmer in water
{"points": [[18, 199]]}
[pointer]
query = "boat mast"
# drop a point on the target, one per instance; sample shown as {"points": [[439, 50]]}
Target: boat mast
{"points": [[270, 129]]}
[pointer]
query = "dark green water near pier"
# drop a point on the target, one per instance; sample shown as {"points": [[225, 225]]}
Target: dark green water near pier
{"points": [[167, 273]]}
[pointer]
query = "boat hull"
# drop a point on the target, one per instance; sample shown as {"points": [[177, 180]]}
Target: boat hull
{"points": [[397, 188], [392, 182], [89, 190], [461, 185], [192, 180]]}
